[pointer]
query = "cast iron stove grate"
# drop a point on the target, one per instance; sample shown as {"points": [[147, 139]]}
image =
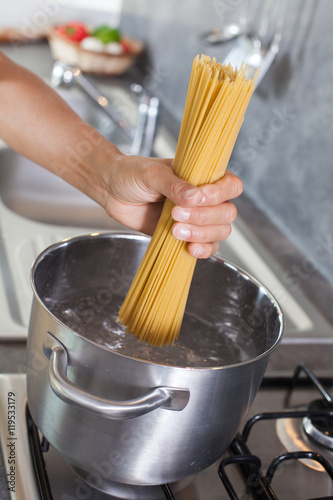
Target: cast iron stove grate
{"points": [[320, 414]]}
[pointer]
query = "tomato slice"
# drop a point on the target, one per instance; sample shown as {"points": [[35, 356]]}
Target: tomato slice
{"points": [[74, 31]]}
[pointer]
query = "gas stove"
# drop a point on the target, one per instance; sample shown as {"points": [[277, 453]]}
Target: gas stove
{"points": [[284, 451]]}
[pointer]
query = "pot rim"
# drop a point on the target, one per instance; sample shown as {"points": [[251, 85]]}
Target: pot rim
{"points": [[141, 236]]}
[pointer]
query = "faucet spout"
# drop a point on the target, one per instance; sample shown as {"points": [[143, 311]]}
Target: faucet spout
{"points": [[142, 135]]}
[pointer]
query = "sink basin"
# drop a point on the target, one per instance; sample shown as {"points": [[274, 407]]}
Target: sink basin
{"points": [[37, 194]]}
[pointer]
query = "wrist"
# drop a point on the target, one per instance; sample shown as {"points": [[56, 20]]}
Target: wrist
{"points": [[101, 169], [88, 163]]}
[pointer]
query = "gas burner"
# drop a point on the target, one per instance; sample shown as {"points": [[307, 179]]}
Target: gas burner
{"points": [[320, 429], [292, 435], [316, 429]]}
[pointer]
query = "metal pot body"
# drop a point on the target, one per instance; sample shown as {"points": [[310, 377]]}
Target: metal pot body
{"points": [[141, 415]]}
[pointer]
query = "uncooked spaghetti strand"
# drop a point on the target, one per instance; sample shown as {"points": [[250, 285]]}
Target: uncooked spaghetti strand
{"points": [[196, 117], [153, 280], [240, 76], [170, 289], [190, 105], [224, 103], [189, 109], [147, 263], [171, 265], [156, 280], [230, 142], [175, 292], [231, 132], [194, 138], [179, 314]]}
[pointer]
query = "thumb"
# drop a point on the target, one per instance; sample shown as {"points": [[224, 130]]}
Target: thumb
{"points": [[179, 191]]}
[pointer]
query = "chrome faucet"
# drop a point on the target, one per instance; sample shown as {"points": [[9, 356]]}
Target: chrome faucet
{"points": [[142, 135]]}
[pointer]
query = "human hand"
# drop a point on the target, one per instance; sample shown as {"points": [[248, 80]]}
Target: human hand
{"points": [[202, 215]]}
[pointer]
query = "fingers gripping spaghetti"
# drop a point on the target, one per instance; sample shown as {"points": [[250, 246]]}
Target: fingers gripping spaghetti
{"points": [[216, 101]]}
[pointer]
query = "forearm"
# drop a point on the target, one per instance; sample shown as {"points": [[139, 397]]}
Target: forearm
{"points": [[38, 124]]}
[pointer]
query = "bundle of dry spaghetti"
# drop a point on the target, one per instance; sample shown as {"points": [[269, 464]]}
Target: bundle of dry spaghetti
{"points": [[217, 98]]}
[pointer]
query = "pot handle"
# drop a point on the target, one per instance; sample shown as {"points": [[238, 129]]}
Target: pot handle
{"points": [[168, 398]]}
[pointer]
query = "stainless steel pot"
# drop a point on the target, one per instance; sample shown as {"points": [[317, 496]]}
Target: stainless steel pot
{"points": [[119, 410]]}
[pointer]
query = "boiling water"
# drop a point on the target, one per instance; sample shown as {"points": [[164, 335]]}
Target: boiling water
{"points": [[202, 342]]}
